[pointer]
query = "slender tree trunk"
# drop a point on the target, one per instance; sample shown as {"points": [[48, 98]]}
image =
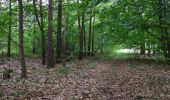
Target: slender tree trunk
{"points": [[33, 39], [21, 37], [168, 43], [93, 34], [81, 46], [84, 33], [9, 33], [154, 49], [81, 36], [142, 47], [90, 31], [41, 27], [59, 37], [50, 52], [65, 51], [43, 49], [33, 45], [149, 50]]}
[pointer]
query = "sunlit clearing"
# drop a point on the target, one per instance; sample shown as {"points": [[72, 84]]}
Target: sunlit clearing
{"points": [[125, 51]]}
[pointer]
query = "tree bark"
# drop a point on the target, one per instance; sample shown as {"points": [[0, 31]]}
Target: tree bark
{"points": [[93, 33], [9, 33], [41, 27], [50, 52], [168, 43], [84, 34], [142, 47], [80, 36], [65, 46], [90, 33], [149, 50], [42, 35], [59, 37], [21, 37]]}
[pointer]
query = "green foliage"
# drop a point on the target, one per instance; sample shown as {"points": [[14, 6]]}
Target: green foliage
{"points": [[63, 70], [117, 23]]}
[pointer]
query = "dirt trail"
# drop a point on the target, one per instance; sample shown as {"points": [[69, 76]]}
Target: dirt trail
{"points": [[92, 79]]}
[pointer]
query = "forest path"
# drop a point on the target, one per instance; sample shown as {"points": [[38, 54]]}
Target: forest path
{"points": [[90, 79]]}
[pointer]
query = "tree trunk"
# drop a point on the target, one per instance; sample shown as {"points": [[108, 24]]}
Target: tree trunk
{"points": [[66, 20], [149, 50], [90, 31], [33, 39], [50, 52], [168, 43], [41, 27], [33, 45], [42, 35], [84, 34], [9, 33], [93, 34], [142, 47], [59, 37], [81, 36], [21, 37]]}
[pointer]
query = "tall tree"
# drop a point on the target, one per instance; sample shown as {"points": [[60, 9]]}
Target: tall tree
{"points": [[9, 33], [84, 33], [90, 33], [50, 52], [94, 18], [33, 38], [42, 34], [59, 37], [65, 35], [21, 37], [80, 30], [41, 27]]}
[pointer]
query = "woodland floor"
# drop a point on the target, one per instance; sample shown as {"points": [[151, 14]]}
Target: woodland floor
{"points": [[90, 79]]}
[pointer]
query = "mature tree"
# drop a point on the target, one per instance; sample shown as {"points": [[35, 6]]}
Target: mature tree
{"points": [[59, 37], [9, 33], [90, 33], [84, 33], [41, 27], [65, 35], [93, 32], [80, 30], [50, 52], [21, 37]]}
